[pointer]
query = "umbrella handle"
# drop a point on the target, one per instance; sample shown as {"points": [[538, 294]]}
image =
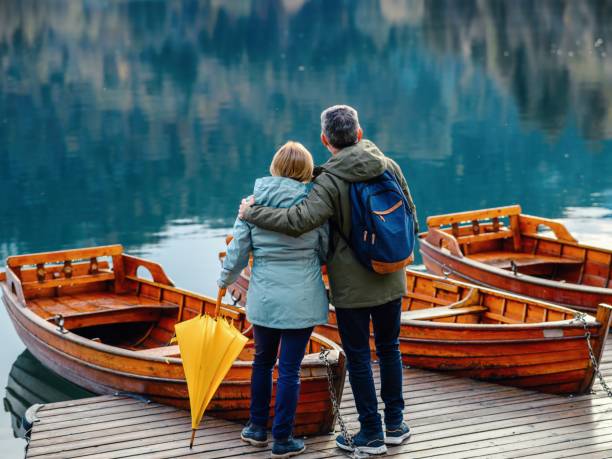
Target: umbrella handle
{"points": [[220, 295]]}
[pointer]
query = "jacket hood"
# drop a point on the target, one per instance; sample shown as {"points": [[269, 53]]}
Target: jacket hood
{"points": [[357, 163], [279, 191]]}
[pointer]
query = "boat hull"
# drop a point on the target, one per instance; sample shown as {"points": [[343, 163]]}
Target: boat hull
{"points": [[524, 359]]}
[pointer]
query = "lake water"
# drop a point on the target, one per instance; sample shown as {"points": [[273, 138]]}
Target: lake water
{"points": [[145, 122]]}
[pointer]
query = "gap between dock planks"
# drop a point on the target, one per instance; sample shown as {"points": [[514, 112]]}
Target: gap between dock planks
{"points": [[449, 417]]}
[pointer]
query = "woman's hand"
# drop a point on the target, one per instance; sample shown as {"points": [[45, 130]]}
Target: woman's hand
{"points": [[244, 206]]}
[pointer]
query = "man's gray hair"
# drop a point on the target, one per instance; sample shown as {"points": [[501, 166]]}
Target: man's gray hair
{"points": [[340, 124]]}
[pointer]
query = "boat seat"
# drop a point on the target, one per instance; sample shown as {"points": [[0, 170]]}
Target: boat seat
{"points": [[442, 312], [107, 316], [164, 351], [504, 260]]}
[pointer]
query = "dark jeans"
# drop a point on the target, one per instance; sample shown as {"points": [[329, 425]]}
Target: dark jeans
{"points": [[292, 348], [354, 328]]}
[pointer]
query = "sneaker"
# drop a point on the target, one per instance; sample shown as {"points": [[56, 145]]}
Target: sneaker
{"points": [[287, 448], [396, 435], [254, 435], [374, 444]]}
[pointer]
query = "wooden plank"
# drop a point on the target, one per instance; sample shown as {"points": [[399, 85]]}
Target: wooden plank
{"points": [[14, 284], [516, 232], [69, 282], [76, 412], [192, 300], [529, 225], [502, 319], [504, 447], [585, 449], [172, 453], [471, 239], [132, 263], [427, 298], [78, 269], [549, 445], [83, 402], [468, 216], [63, 255], [121, 425], [477, 433], [127, 409], [327, 445], [111, 419], [444, 286], [441, 312], [442, 239], [142, 435], [112, 316], [519, 409], [166, 351]]}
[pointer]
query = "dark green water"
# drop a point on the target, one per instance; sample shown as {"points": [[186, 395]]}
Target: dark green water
{"points": [[144, 123]]}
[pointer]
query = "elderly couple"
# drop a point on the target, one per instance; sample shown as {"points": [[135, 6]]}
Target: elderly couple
{"points": [[292, 224]]}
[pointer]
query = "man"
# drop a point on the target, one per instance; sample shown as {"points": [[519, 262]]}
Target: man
{"points": [[359, 295]]}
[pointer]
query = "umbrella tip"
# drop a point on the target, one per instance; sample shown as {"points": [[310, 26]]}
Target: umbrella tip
{"points": [[193, 431]]}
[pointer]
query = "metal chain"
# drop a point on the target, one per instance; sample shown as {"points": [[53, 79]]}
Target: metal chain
{"points": [[581, 317], [336, 406]]}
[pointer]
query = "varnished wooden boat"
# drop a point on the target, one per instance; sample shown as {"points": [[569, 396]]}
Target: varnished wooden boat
{"points": [[475, 332], [109, 330], [502, 248]]}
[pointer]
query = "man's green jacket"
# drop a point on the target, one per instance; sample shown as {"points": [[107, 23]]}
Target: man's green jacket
{"points": [[351, 284]]}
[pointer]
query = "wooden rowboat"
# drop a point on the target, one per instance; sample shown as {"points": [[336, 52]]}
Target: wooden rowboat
{"points": [[475, 332], [109, 330], [502, 248]]}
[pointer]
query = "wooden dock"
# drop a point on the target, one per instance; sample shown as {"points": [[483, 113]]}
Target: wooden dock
{"points": [[450, 418]]}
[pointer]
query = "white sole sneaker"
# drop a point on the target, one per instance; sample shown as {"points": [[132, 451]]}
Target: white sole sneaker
{"points": [[290, 454], [396, 440], [253, 442], [375, 450]]}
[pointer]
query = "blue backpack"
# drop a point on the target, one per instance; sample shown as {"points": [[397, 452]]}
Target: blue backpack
{"points": [[382, 224]]}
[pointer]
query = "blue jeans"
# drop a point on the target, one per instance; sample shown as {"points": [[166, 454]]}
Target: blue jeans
{"points": [[292, 348], [354, 328]]}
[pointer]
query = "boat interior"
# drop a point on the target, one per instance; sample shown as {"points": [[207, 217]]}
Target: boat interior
{"points": [[507, 239], [108, 297], [435, 299]]}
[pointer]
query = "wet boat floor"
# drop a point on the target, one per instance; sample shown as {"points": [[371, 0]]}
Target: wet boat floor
{"points": [[449, 417]]}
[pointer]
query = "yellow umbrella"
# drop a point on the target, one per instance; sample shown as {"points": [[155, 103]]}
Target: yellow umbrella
{"points": [[209, 346]]}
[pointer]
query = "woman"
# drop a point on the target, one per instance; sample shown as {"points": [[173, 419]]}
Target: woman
{"points": [[286, 298]]}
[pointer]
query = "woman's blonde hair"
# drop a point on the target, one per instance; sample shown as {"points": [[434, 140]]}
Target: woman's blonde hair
{"points": [[293, 160]]}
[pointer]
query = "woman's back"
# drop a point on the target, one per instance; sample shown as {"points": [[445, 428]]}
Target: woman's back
{"points": [[286, 289]]}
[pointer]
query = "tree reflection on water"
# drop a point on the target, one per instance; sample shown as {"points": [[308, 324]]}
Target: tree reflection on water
{"points": [[119, 117]]}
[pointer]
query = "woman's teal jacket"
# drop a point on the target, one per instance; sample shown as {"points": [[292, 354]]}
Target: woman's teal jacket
{"points": [[286, 289]]}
